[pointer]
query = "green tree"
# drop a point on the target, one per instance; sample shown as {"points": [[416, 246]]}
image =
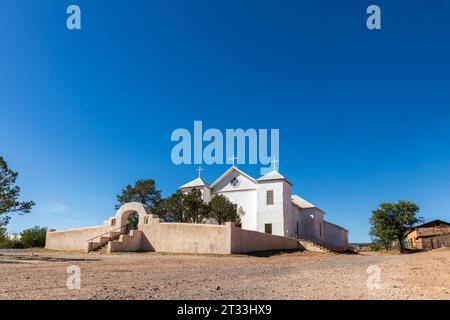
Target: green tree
{"points": [[391, 221], [9, 194], [160, 209], [33, 238], [196, 210], [3, 235], [176, 210], [7, 242], [143, 191], [223, 210]]}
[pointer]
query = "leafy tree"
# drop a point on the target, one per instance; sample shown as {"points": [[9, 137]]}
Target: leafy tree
{"points": [[9, 194], [160, 209], [143, 191], [391, 221], [133, 221], [196, 210], [223, 210], [33, 238], [175, 207], [3, 234]]}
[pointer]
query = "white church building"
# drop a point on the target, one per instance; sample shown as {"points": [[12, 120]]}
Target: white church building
{"points": [[269, 206]]}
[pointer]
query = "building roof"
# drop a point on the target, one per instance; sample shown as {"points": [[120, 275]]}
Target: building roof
{"points": [[199, 182], [233, 168], [433, 223], [273, 175], [302, 203]]}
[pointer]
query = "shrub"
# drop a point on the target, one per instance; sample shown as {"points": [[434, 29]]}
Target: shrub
{"points": [[375, 246], [33, 238]]}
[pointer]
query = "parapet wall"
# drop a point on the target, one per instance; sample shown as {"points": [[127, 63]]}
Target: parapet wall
{"points": [[204, 238], [336, 237], [243, 241], [76, 239], [73, 239], [156, 235], [161, 236]]}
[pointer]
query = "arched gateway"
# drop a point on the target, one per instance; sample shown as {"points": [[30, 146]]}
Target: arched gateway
{"points": [[129, 208]]}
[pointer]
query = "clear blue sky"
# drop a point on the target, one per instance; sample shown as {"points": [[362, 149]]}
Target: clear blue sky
{"points": [[363, 115]]}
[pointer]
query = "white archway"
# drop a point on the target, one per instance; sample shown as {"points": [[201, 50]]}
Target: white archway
{"points": [[129, 208]]}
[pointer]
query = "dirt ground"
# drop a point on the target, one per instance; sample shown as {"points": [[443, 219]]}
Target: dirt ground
{"points": [[296, 275]]}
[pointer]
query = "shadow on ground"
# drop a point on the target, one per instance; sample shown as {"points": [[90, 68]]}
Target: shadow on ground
{"points": [[271, 253], [20, 259]]}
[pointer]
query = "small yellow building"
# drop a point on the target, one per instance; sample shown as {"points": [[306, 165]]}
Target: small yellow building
{"points": [[428, 236]]}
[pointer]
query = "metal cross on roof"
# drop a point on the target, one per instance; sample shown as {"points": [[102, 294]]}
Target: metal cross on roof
{"points": [[200, 171], [274, 163], [233, 158]]}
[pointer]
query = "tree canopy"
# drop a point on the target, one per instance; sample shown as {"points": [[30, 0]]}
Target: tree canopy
{"points": [[190, 208], [33, 238], [175, 209], [222, 210], [391, 221], [143, 191], [9, 194], [196, 210], [184, 207]]}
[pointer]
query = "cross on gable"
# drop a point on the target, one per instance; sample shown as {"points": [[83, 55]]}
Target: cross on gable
{"points": [[274, 163], [233, 158], [200, 171]]}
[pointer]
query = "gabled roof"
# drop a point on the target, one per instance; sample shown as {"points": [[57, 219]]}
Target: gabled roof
{"points": [[429, 224], [433, 223], [199, 182], [273, 175], [233, 168], [303, 204]]}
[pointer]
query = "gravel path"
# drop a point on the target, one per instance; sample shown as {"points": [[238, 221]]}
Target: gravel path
{"points": [[43, 275]]}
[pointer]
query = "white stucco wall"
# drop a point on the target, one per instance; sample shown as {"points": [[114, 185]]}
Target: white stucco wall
{"points": [[289, 228], [247, 201], [244, 196], [274, 214], [310, 220], [336, 236], [205, 192]]}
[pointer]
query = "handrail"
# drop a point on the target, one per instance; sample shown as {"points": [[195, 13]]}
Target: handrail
{"points": [[120, 228]]}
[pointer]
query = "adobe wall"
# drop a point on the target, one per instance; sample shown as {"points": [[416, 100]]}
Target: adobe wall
{"points": [[73, 239], [162, 236], [336, 237], [243, 241], [429, 243], [156, 235], [127, 243]]}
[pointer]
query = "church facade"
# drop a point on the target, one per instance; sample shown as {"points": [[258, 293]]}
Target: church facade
{"points": [[268, 205]]}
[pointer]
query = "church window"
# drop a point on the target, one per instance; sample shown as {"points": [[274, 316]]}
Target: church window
{"points": [[268, 228], [235, 182], [269, 197]]}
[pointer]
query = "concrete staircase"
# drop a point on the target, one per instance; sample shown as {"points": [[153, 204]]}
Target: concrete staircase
{"points": [[313, 246], [102, 242], [126, 242]]}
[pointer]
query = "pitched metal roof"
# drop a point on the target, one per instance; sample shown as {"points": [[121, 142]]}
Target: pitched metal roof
{"points": [[273, 175], [199, 182]]}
